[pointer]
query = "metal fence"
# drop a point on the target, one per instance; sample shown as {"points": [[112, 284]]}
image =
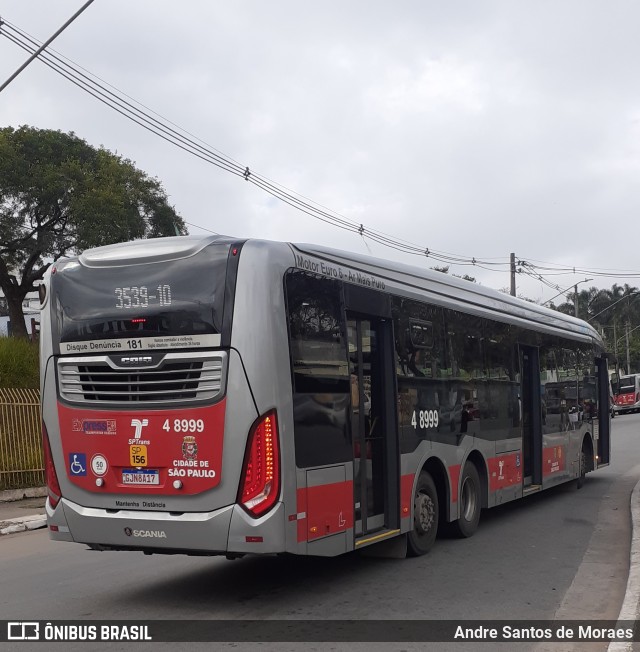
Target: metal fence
{"points": [[21, 459]]}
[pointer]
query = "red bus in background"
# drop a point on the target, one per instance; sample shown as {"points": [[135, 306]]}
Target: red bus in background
{"points": [[627, 398]]}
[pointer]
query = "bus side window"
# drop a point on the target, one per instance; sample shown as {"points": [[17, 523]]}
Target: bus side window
{"points": [[317, 344], [319, 367]]}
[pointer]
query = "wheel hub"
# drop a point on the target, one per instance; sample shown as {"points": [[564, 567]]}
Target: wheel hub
{"points": [[468, 500], [424, 513]]}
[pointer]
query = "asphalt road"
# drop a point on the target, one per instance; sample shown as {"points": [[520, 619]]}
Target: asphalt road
{"points": [[562, 554]]}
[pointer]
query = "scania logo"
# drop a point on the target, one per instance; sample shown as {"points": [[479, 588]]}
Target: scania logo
{"points": [[136, 359], [145, 534]]}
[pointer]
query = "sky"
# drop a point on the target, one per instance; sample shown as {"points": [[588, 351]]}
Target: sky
{"points": [[474, 129]]}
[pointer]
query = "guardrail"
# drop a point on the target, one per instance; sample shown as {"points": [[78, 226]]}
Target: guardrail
{"points": [[21, 459]]}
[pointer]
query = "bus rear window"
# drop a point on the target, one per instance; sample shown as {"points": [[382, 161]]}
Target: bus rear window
{"points": [[627, 384], [183, 296]]}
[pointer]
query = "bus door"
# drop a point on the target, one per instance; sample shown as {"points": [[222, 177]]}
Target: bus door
{"points": [[603, 431], [530, 413], [376, 465]]}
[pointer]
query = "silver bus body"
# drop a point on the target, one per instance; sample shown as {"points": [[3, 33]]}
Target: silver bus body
{"points": [[162, 472]]}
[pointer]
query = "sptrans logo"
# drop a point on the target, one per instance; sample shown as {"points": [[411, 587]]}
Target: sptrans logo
{"points": [[139, 424]]}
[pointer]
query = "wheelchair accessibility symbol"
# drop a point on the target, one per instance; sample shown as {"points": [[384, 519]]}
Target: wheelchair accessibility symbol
{"points": [[78, 463]]}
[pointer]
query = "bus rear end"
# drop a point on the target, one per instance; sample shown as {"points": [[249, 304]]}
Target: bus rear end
{"points": [[135, 365], [628, 397]]}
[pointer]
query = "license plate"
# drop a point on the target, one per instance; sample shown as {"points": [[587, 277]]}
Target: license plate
{"points": [[142, 476]]}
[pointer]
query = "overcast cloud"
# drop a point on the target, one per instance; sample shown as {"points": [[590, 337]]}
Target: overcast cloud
{"points": [[474, 128]]}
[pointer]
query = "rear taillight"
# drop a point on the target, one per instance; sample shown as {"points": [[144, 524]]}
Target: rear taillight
{"points": [[260, 483], [50, 470]]}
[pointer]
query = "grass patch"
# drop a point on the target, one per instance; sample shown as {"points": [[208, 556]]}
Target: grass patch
{"points": [[20, 446], [19, 363]]}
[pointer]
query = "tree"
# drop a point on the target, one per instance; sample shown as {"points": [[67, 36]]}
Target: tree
{"points": [[615, 313], [58, 196]]}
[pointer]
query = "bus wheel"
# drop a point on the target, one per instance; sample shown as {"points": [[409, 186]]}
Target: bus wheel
{"points": [[425, 516], [470, 502]]}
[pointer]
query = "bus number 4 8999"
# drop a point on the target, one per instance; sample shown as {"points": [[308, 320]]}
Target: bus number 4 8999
{"points": [[184, 425], [425, 418]]}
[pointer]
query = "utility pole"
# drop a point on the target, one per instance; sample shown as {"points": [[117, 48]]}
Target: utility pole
{"points": [[513, 275], [615, 352], [627, 343], [575, 306]]}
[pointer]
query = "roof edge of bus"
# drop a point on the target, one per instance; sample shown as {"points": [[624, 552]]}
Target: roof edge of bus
{"points": [[352, 259], [149, 250]]}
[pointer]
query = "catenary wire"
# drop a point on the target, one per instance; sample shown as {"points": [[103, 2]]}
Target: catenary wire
{"points": [[100, 92], [163, 129]]}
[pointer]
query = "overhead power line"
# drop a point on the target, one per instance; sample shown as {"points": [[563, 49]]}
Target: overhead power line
{"points": [[177, 136], [153, 122], [44, 45]]}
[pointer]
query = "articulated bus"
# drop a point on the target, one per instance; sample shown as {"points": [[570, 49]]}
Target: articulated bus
{"points": [[214, 396]]}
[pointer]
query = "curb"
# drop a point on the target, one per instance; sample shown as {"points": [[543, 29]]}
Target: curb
{"points": [[13, 525], [10, 495], [631, 603]]}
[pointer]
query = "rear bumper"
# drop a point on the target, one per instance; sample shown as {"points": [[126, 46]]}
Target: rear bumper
{"points": [[631, 407], [223, 531]]}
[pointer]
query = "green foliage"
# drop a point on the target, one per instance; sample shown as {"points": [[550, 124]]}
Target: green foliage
{"points": [[20, 445], [59, 195], [18, 363], [615, 313]]}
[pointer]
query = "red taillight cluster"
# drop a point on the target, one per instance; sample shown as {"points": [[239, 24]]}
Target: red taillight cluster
{"points": [[50, 470], [261, 470]]}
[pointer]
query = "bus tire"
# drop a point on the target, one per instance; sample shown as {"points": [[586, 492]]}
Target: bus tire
{"points": [[425, 517], [470, 502]]}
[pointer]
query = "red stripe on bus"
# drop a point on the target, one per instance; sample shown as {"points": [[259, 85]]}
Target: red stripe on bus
{"points": [[554, 460], [454, 475], [301, 506], [328, 509], [406, 493], [505, 471]]}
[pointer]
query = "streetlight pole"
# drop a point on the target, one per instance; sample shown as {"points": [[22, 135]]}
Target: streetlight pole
{"points": [[626, 296], [513, 275], [626, 338], [575, 287], [586, 280], [627, 343]]}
